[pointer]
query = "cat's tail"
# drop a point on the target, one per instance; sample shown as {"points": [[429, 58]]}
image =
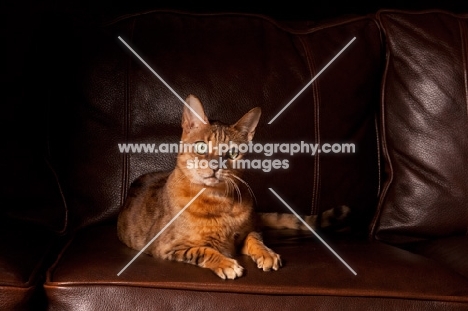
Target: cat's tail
{"points": [[334, 218]]}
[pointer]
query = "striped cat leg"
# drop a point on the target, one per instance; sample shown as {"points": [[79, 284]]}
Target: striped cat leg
{"points": [[264, 257], [207, 257]]}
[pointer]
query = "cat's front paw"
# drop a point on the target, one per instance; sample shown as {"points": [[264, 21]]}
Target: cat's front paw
{"points": [[228, 269], [266, 259]]}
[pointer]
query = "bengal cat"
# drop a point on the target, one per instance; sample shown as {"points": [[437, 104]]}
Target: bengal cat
{"points": [[220, 221]]}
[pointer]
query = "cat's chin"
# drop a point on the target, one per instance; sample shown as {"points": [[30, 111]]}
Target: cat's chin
{"points": [[211, 181]]}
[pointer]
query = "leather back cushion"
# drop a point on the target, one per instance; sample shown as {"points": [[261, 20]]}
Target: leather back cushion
{"points": [[232, 63], [424, 110]]}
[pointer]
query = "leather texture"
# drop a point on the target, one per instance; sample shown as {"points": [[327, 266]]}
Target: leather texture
{"points": [[232, 63], [150, 299], [95, 256], [451, 251], [25, 255], [87, 93], [424, 121]]}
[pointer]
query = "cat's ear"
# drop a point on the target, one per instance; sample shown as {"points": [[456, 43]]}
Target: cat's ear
{"points": [[248, 123], [195, 117]]}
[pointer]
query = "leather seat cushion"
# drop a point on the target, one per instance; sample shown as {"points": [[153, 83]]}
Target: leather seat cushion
{"points": [[93, 258]]}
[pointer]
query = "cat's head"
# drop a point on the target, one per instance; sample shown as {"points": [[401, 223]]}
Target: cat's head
{"points": [[206, 161]]}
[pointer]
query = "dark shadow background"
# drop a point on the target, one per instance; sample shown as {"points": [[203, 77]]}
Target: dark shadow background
{"points": [[22, 26], [21, 19], [289, 10]]}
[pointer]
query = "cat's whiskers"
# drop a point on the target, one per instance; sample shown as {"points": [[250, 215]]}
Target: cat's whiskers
{"points": [[252, 194], [231, 185], [228, 188], [239, 194]]}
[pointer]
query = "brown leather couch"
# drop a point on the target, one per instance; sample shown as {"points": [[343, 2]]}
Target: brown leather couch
{"points": [[398, 92]]}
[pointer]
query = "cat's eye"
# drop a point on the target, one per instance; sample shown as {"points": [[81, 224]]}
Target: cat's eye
{"points": [[200, 147], [232, 153]]}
